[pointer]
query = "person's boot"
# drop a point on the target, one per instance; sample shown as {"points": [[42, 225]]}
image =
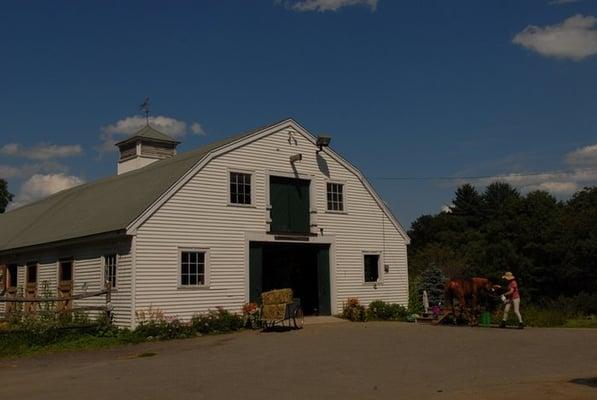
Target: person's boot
{"points": [[503, 324], [521, 325]]}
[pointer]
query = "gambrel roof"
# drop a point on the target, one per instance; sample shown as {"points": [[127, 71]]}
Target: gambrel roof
{"points": [[120, 202]]}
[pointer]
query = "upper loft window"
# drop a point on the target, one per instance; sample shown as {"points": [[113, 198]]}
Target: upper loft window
{"points": [[240, 188], [335, 192]]}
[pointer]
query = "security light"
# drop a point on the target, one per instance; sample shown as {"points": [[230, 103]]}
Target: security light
{"points": [[322, 141]]}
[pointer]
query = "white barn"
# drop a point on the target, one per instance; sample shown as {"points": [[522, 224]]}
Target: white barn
{"points": [[213, 227]]}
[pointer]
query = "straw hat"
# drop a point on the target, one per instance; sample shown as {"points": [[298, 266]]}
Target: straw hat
{"points": [[508, 276]]}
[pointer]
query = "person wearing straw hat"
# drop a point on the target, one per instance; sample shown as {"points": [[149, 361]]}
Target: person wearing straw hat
{"points": [[511, 298]]}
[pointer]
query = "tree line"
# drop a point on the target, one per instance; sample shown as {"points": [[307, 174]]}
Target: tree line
{"points": [[550, 245]]}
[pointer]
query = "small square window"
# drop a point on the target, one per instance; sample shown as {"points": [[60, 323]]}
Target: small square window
{"points": [[110, 269], [192, 268], [371, 262], [65, 270], [240, 188], [335, 196]]}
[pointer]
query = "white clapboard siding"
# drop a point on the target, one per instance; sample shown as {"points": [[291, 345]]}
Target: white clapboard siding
{"points": [[199, 216], [88, 265]]}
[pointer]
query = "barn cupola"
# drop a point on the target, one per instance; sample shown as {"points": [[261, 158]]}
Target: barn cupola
{"points": [[143, 148]]}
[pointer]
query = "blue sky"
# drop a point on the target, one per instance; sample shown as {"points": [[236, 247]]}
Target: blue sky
{"points": [[407, 89]]}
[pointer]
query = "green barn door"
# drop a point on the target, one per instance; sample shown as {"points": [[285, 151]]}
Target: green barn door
{"points": [[289, 199], [255, 271], [323, 281]]}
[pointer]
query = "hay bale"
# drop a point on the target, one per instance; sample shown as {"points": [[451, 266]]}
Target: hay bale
{"points": [[273, 312], [279, 296]]}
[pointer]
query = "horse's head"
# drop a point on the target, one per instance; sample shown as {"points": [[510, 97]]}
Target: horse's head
{"points": [[488, 286]]}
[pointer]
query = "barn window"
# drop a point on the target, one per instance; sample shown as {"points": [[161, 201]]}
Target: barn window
{"points": [[335, 193], [110, 268], [12, 278], [371, 263], [193, 268], [65, 270], [31, 273], [240, 188]]}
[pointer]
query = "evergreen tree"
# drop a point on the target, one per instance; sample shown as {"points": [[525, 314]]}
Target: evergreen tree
{"points": [[5, 196], [432, 280]]}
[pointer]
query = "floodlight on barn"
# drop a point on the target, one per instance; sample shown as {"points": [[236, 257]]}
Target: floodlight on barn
{"points": [[322, 141]]}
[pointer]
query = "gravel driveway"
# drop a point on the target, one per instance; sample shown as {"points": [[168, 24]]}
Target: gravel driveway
{"points": [[382, 360]]}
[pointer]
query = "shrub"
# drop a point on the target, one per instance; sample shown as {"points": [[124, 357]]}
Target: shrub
{"points": [[159, 329], [251, 317], [415, 301], [382, 311], [219, 320], [353, 310], [379, 310], [542, 317]]}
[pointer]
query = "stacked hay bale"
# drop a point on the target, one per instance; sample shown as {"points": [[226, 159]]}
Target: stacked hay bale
{"points": [[274, 304]]}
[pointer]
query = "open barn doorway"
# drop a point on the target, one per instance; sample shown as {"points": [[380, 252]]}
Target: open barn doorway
{"points": [[305, 268]]}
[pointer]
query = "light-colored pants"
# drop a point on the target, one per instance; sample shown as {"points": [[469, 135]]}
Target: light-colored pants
{"points": [[516, 304]]}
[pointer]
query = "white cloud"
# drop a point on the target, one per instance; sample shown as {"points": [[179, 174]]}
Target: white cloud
{"points": [[565, 182], [39, 186], [447, 208], [41, 151], [328, 5], [583, 156], [26, 170], [128, 126], [575, 38], [581, 171], [197, 129], [555, 187]]}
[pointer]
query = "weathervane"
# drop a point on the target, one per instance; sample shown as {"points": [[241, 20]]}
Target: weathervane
{"points": [[145, 108]]}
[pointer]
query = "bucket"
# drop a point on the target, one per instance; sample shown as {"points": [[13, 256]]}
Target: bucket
{"points": [[485, 319]]}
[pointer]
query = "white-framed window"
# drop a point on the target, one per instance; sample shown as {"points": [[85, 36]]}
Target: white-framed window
{"points": [[111, 269], [372, 267], [335, 196], [240, 188], [193, 268]]}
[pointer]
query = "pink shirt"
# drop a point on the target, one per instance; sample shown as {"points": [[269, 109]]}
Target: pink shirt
{"points": [[514, 287]]}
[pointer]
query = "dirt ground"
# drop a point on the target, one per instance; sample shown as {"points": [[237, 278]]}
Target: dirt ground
{"points": [[337, 360]]}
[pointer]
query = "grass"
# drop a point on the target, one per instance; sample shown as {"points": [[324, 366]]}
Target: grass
{"points": [[581, 323], [69, 343]]}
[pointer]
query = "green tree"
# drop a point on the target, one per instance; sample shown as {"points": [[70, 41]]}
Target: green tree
{"points": [[433, 281], [551, 246], [467, 204], [579, 243], [5, 196]]}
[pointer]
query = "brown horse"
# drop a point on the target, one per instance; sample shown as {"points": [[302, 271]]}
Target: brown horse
{"points": [[463, 289]]}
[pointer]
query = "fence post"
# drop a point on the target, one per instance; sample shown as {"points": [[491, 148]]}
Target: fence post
{"points": [[109, 306]]}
